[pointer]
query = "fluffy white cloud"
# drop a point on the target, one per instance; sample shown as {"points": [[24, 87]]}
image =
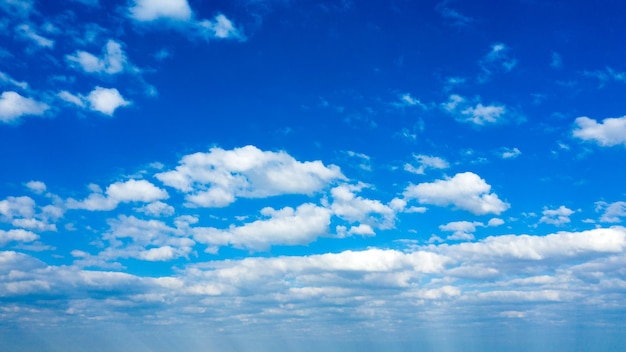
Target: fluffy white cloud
{"points": [[609, 132], [217, 178], [13, 106], [157, 208], [16, 235], [613, 212], [465, 191], [556, 217], [119, 192], [462, 230], [220, 27], [12, 207], [348, 206], [509, 153], [112, 61], [562, 244], [477, 114], [106, 100], [36, 186], [150, 10], [426, 162], [286, 226]]}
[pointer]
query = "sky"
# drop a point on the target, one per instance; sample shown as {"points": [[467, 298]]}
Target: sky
{"points": [[262, 175]]}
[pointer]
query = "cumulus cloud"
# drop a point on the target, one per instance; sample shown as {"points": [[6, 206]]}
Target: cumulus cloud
{"points": [[461, 230], [217, 178], [16, 235], [13, 106], [106, 100], [286, 226], [348, 206], [609, 132], [157, 208], [119, 192], [36, 186], [466, 191], [112, 61], [426, 162], [613, 212], [558, 217], [477, 114], [12, 207], [151, 10], [510, 153]]}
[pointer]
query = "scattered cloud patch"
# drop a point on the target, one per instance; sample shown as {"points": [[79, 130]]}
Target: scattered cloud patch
{"points": [[112, 61], [461, 230], [613, 212], [151, 10], [221, 28], [217, 178], [510, 153], [466, 191], [13, 106], [426, 162], [609, 132], [454, 16], [557, 217], [37, 187], [286, 226], [26, 32], [498, 58], [106, 100], [477, 114], [119, 192], [407, 100], [8, 80]]}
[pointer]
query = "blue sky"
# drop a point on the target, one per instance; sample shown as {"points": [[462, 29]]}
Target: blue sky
{"points": [[256, 175]]}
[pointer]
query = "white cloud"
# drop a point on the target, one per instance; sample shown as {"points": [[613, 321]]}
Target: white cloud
{"points": [[453, 15], [13, 106], [119, 192], [112, 61], [6, 79], [150, 10], [25, 31], [465, 191], [509, 153], [478, 114], [407, 100], [610, 132], [20, 8], [106, 100], [556, 217], [221, 28], [16, 235], [348, 206], [426, 161], [562, 244], [157, 208], [36, 186], [71, 98], [135, 191], [461, 230], [612, 212], [286, 226], [497, 58], [12, 207], [217, 178], [495, 222]]}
